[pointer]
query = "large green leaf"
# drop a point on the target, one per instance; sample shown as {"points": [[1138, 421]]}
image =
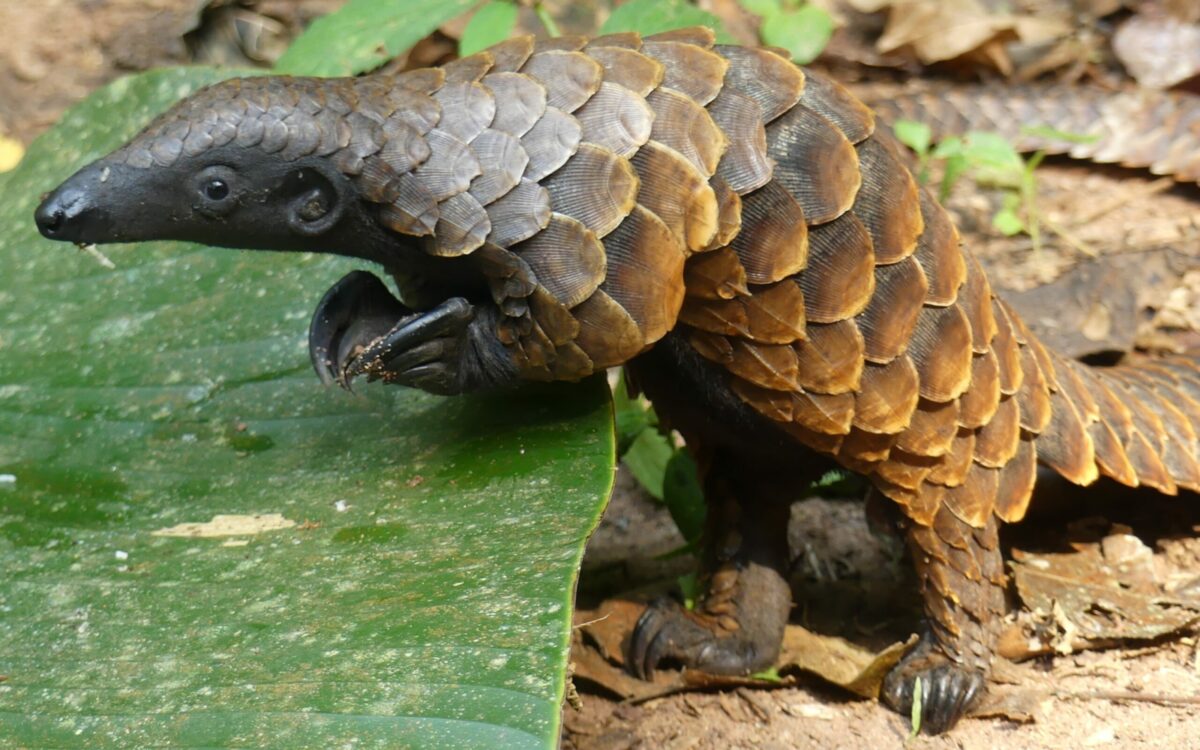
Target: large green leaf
{"points": [[364, 34], [422, 597]]}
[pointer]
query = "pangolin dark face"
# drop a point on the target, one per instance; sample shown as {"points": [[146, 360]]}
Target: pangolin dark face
{"points": [[256, 163]]}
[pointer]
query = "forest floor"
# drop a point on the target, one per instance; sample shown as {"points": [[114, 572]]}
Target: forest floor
{"points": [[1130, 273]]}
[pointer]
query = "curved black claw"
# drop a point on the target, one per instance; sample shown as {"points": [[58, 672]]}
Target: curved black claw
{"points": [[356, 311], [359, 328], [667, 631], [948, 690], [422, 350]]}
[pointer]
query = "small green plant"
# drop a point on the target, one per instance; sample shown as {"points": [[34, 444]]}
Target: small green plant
{"points": [[690, 589], [658, 463], [914, 716], [803, 29], [770, 674], [992, 161]]}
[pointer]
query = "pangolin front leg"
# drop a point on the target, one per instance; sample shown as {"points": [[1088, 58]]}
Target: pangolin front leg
{"points": [[359, 328]]}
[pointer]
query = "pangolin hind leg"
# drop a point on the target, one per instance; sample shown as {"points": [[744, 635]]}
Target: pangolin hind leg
{"points": [[960, 572], [737, 627], [751, 471]]}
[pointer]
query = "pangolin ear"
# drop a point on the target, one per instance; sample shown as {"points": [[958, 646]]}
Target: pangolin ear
{"points": [[315, 202]]}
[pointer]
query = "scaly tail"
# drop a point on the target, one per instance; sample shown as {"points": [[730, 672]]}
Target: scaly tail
{"points": [[1157, 130]]}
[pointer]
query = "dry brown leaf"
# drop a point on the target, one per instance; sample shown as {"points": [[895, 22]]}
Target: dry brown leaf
{"points": [[1158, 50], [938, 30], [597, 650], [1024, 705], [1099, 593], [840, 662]]}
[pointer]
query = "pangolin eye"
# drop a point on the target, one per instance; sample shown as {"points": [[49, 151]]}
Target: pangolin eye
{"points": [[216, 190]]}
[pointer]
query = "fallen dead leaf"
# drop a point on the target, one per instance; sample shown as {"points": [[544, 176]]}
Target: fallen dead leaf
{"points": [[1099, 593], [840, 662], [11, 153], [937, 30], [1158, 50], [1024, 705], [597, 649], [228, 525]]}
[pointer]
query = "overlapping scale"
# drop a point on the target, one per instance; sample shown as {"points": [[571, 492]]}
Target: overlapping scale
{"points": [[628, 67], [688, 68], [567, 259], [570, 78], [596, 186], [816, 163], [682, 124], [519, 102], [616, 119], [672, 187], [645, 272]]}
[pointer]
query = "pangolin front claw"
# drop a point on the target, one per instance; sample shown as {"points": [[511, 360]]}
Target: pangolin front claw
{"points": [[419, 350], [356, 312]]}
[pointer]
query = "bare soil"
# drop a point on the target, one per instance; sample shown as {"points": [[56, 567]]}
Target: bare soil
{"points": [[1142, 695]]}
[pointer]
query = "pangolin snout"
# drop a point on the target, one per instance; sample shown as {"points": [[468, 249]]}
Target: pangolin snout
{"points": [[71, 213]]}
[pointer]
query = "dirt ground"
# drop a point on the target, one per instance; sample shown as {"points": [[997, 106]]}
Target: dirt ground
{"points": [[1144, 234]]}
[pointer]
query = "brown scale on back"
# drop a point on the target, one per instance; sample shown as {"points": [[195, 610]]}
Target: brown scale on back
{"points": [[616, 189]]}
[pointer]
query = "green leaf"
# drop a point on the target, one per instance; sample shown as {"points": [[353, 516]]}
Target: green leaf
{"points": [[948, 147], [633, 415], [492, 23], [771, 674], [1008, 222], [993, 160], [647, 460], [422, 596], [839, 483], [654, 16], [915, 135], [955, 167], [803, 32], [364, 34], [683, 495]]}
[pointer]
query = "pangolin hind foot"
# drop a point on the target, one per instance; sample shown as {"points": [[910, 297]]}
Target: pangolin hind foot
{"points": [[738, 621]]}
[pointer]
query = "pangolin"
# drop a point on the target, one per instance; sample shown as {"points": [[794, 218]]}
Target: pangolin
{"points": [[737, 231]]}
